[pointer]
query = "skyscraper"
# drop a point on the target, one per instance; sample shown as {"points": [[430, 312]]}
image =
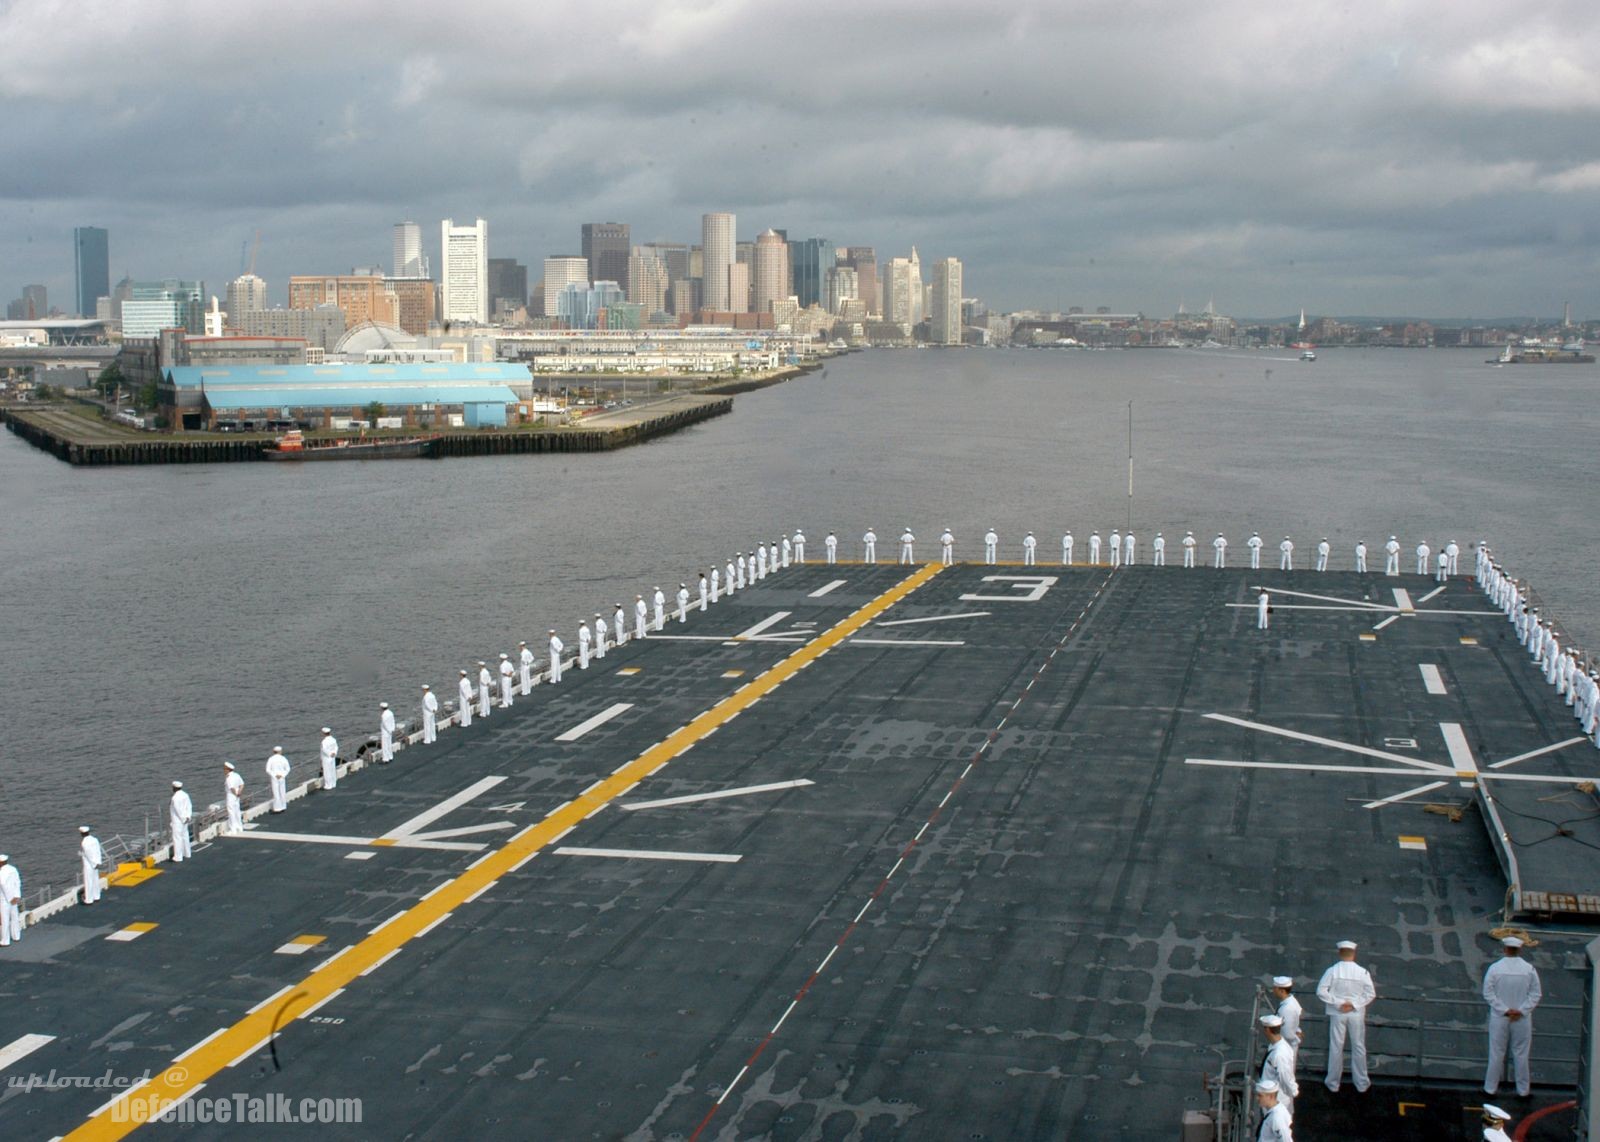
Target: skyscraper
{"points": [[35, 302], [560, 271], [466, 271], [864, 259], [647, 280], [946, 315], [770, 276], [409, 260], [246, 293], [91, 266], [810, 259], [606, 247], [716, 236], [508, 282], [902, 291]]}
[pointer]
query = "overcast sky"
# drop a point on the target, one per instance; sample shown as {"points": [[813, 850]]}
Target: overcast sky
{"points": [[1427, 157]]}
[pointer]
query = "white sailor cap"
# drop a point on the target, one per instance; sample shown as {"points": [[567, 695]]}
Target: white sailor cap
{"points": [[177, 785], [1512, 942], [481, 662], [385, 705], [1346, 945], [1492, 1111], [4, 858], [1271, 1021], [504, 655], [425, 686], [279, 748], [228, 765], [1282, 981], [1266, 1086], [83, 829], [327, 730], [463, 673]]}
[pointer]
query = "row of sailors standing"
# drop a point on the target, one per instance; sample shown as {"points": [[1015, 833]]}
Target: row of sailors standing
{"points": [[1573, 673]]}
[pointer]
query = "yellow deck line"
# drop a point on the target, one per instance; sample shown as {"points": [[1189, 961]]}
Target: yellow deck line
{"points": [[121, 1117]]}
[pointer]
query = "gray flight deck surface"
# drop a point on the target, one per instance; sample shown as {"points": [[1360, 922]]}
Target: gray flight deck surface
{"points": [[1021, 881]]}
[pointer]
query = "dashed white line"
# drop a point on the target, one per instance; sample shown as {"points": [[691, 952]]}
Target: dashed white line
{"points": [[20, 1048], [825, 588], [595, 722], [1431, 679]]}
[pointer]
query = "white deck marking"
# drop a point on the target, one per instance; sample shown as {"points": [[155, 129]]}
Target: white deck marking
{"points": [[1402, 599], [726, 639], [595, 722], [651, 854], [20, 1048], [1385, 622], [826, 587], [1433, 594], [312, 838], [745, 791], [1428, 788], [1359, 604], [1331, 744], [360, 854], [755, 632], [1306, 766], [1431, 680], [1460, 752], [934, 619], [859, 641], [378, 963], [464, 831], [1035, 587], [448, 805], [1537, 753]]}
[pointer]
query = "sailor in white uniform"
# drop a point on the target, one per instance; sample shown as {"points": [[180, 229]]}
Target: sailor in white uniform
{"points": [[232, 790], [1422, 557], [716, 583], [1444, 567], [759, 566], [180, 811], [1361, 555], [328, 752], [799, 546], [485, 682], [1288, 1010], [599, 635], [1030, 547], [738, 561], [788, 551], [682, 599], [1254, 544], [10, 902], [641, 615], [1511, 989], [278, 777], [430, 714], [1495, 1122], [508, 677], [660, 601], [1129, 547], [1278, 1063], [585, 635], [869, 546], [1066, 550], [1276, 1123], [90, 854], [1094, 549], [1220, 546], [1391, 557], [906, 541], [525, 662], [1263, 609], [1116, 547], [1346, 992], [464, 700], [1158, 551], [619, 624], [1286, 554], [990, 542], [772, 558], [947, 547], [705, 589], [831, 547], [556, 647], [1323, 549], [1188, 548], [1452, 551]]}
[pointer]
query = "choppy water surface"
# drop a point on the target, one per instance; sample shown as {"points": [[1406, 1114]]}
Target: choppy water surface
{"points": [[157, 621]]}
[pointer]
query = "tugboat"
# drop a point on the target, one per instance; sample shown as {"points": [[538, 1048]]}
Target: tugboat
{"points": [[1308, 355], [292, 445]]}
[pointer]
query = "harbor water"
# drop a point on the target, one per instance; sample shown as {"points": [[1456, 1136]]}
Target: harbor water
{"points": [[158, 621]]}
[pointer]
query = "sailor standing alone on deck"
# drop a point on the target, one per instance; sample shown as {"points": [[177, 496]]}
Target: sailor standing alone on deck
{"points": [[329, 752], [831, 547], [869, 546], [1263, 610], [906, 540], [1511, 989], [90, 853], [1030, 546], [991, 540], [1346, 992], [430, 714], [278, 774], [947, 547], [180, 811], [386, 732]]}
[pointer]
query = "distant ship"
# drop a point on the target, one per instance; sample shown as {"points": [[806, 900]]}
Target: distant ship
{"points": [[1308, 354], [1569, 354], [292, 446]]}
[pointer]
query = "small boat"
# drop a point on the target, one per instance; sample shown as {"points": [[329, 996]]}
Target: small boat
{"points": [[292, 445], [1308, 355]]}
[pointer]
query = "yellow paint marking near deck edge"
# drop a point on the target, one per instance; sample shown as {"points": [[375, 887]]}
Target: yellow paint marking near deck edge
{"points": [[626, 670], [1367, 637], [1420, 844], [1468, 641], [119, 1118], [129, 874]]}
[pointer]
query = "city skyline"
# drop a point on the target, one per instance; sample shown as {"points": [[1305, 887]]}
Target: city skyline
{"points": [[1267, 160]]}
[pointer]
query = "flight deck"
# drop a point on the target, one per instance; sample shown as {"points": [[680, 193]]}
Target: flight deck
{"points": [[870, 851]]}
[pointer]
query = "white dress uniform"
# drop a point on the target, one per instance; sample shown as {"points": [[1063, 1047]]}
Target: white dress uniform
{"points": [[1254, 544], [525, 662], [1444, 567], [180, 811], [1289, 1011], [906, 542], [329, 753], [599, 635], [788, 551], [705, 590], [556, 647], [1220, 546], [683, 603], [1129, 547], [1188, 549], [869, 544], [619, 623], [641, 616], [584, 637], [464, 700], [831, 547], [760, 563], [1276, 1126], [1391, 557], [232, 790], [386, 727], [485, 682], [772, 559], [1286, 554], [1361, 556], [990, 542], [1116, 547], [90, 853], [1094, 549], [10, 902], [1279, 1067], [716, 583], [1452, 551], [1347, 982], [1158, 551], [1510, 984], [430, 715], [660, 601], [1322, 554], [1423, 552], [1066, 550], [947, 548], [799, 546], [1263, 606], [278, 777], [508, 675], [738, 561], [1030, 546]]}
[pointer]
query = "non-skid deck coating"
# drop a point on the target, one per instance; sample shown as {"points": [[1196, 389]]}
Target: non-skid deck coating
{"points": [[979, 852]]}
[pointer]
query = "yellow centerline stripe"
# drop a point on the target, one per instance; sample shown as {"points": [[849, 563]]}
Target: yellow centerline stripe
{"points": [[122, 1116]]}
